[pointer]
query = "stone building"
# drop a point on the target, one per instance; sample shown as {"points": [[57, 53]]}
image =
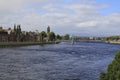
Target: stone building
{"points": [[3, 35], [17, 35]]}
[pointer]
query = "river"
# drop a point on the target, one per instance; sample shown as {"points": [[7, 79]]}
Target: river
{"points": [[82, 61]]}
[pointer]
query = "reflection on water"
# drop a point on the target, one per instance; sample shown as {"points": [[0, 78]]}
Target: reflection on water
{"points": [[82, 61]]}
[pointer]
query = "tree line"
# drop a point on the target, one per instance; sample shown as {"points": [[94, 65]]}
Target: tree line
{"points": [[116, 38], [52, 36]]}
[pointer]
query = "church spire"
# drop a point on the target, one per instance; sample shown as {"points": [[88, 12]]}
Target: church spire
{"points": [[48, 29], [14, 27]]}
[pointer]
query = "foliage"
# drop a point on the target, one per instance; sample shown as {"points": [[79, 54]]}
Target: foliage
{"points": [[51, 36], [113, 71], [102, 76], [67, 37], [43, 34], [58, 37], [113, 38]]}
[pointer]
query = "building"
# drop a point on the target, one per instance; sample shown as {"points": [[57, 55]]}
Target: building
{"points": [[3, 35], [17, 35], [48, 31], [9, 35]]}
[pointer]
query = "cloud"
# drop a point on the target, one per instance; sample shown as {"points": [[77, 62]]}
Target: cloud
{"points": [[68, 16], [87, 24]]}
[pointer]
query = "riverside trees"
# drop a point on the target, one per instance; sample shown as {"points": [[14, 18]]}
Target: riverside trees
{"points": [[51, 36], [113, 71], [116, 38], [67, 37], [58, 37], [43, 34]]}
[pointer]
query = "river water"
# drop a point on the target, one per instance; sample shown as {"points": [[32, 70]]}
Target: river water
{"points": [[82, 61]]}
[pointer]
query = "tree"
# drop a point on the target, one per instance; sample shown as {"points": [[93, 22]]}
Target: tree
{"points": [[112, 38], [22, 37], [66, 37], [51, 36], [113, 71], [42, 35], [58, 37], [102, 76]]}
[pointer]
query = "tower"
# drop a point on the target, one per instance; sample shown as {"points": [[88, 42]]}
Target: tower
{"points": [[14, 27], [19, 28], [48, 29], [18, 32]]}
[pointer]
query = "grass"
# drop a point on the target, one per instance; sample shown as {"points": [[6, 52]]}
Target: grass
{"points": [[17, 44]]}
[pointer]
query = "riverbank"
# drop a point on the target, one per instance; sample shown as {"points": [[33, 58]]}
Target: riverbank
{"points": [[17, 44], [113, 42]]}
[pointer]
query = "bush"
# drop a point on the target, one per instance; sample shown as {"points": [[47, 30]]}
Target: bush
{"points": [[113, 71]]}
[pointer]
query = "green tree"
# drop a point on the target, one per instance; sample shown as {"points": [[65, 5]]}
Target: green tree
{"points": [[113, 71], [43, 34], [66, 37], [52, 36], [112, 38], [22, 37], [102, 76], [58, 37]]}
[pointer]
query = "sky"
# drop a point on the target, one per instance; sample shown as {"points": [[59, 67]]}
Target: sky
{"points": [[74, 17]]}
